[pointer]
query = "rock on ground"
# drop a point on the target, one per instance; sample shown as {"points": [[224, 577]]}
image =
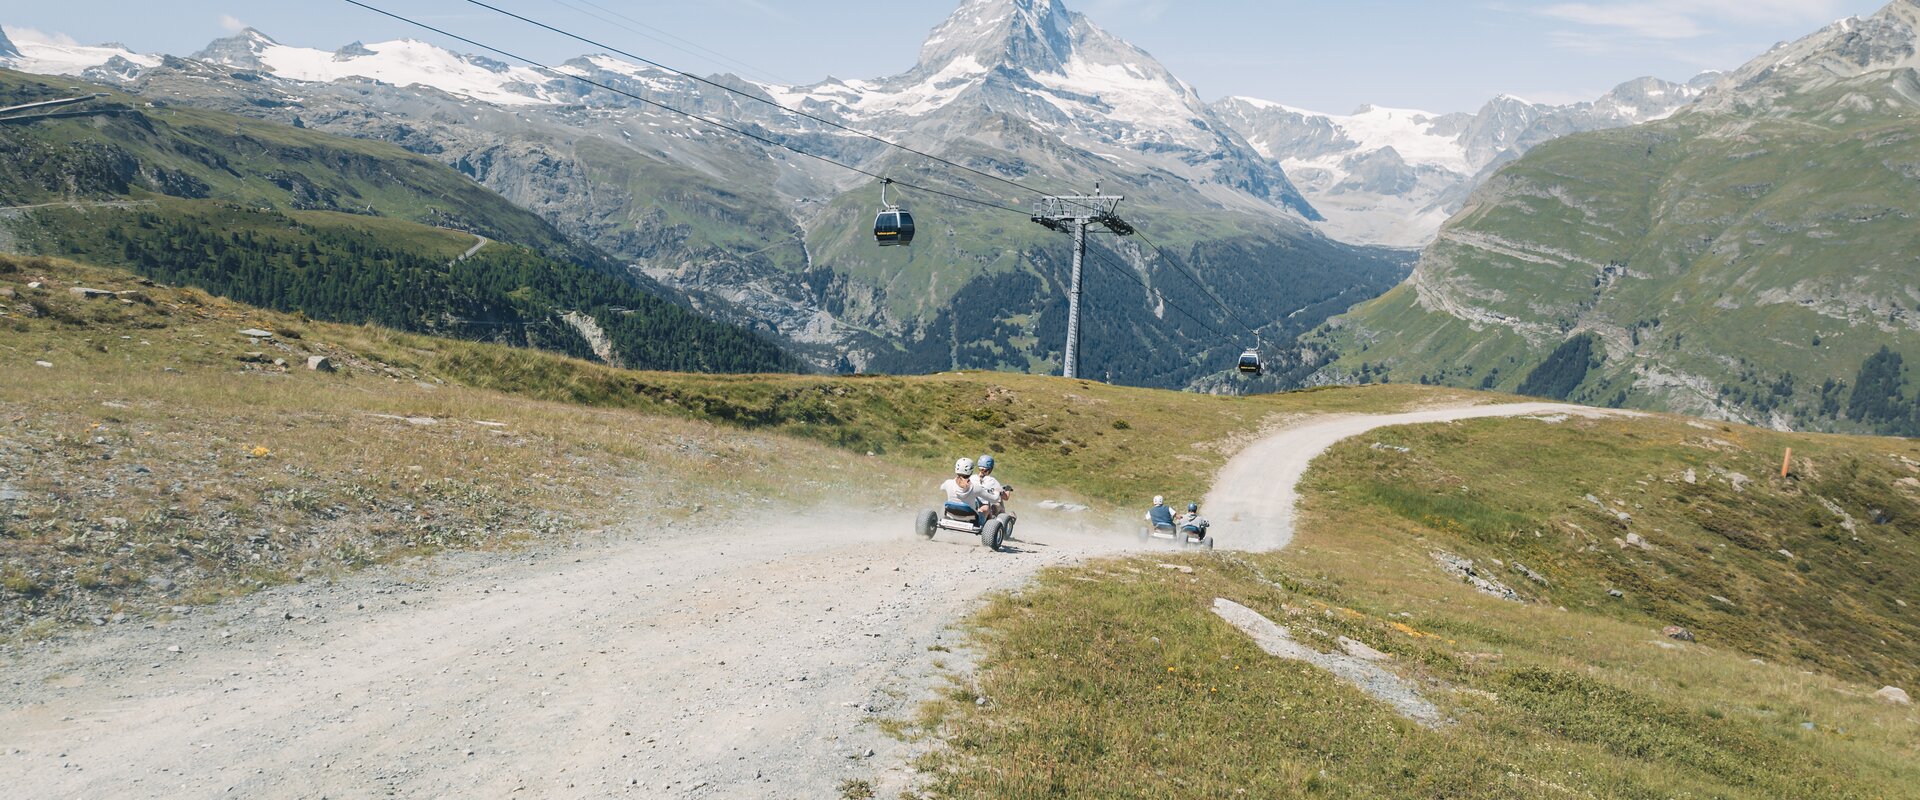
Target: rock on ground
{"points": [[1358, 670]]}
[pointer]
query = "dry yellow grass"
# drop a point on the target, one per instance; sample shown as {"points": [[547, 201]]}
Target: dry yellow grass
{"points": [[162, 462]]}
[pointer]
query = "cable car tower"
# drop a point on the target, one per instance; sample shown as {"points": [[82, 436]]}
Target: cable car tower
{"points": [[1074, 214]]}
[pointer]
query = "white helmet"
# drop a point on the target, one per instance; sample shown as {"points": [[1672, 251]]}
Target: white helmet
{"points": [[1159, 501], [963, 467]]}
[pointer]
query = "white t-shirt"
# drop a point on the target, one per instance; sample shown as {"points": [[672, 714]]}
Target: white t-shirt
{"points": [[989, 487], [971, 495]]}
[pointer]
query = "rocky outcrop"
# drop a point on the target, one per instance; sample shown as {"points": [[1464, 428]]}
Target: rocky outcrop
{"points": [[590, 330]]}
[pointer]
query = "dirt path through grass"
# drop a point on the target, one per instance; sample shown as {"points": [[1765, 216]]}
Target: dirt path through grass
{"points": [[1252, 501], [756, 659]]}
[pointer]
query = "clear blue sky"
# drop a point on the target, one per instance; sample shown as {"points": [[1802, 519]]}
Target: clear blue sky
{"points": [[1439, 55]]}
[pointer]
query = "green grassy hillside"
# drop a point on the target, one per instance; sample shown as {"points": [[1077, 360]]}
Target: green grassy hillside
{"points": [[336, 228], [121, 145], [1115, 680], [1722, 264], [160, 457]]}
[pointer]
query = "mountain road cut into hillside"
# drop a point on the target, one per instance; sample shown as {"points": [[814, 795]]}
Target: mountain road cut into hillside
{"points": [[754, 659]]}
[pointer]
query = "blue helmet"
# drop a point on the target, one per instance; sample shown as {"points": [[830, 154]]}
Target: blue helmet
{"points": [[985, 462], [1193, 507]]}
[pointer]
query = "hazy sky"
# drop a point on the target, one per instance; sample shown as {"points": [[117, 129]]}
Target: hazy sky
{"points": [[1438, 55]]}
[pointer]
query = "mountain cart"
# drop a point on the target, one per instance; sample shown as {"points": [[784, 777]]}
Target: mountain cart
{"points": [[960, 519]]}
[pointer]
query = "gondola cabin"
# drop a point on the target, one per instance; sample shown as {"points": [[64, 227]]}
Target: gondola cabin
{"points": [[893, 227], [1250, 363]]}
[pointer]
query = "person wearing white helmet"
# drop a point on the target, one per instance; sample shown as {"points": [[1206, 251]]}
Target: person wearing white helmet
{"points": [[964, 497], [1160, 516]]}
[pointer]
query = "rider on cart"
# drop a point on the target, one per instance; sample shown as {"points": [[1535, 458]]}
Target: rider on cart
{"points": [[995, 492], [964, 494], [1160, 516], [1192, 525]]}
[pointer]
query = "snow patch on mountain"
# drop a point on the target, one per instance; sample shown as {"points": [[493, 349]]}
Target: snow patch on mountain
{"points": [[1392, 176], [52, 54], [1419, 137], [402, 62]]}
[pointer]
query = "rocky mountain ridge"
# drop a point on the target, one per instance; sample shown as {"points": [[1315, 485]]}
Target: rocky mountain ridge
{"points": [[1393, 176]]}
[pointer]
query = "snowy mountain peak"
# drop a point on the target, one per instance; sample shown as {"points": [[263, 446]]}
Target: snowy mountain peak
{"points": [[1040, 60], [7, 50], [1029, 35], [241, 50]]}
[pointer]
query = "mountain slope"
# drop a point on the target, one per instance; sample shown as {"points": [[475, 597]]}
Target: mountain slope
{"points": [[339, 228], [1747, 258], [1393, 176], [1020, 89]]}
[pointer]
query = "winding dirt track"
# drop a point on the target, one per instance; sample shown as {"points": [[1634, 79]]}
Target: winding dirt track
{"points": [[753, 661]]}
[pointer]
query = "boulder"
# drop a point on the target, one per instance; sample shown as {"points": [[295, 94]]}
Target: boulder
{"points": [[256, 333], [1894, 695], [85, 293], [1638, 541], [1677, 633], [319, 363]]}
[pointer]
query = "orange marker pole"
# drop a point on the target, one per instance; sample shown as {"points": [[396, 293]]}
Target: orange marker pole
{"points": [[1787, 462]]}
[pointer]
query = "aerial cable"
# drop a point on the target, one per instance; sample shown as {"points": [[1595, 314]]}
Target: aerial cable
{"points": [[657, 33], [1102, 259], [688, 114], [754, 97], [1208, 291]]}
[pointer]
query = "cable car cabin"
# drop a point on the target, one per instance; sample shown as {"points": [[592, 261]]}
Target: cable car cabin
{"points": [[893, 227], [1250, 362]]}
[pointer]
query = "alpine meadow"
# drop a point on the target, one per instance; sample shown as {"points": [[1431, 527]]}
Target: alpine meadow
{"points": [[538, 398]]}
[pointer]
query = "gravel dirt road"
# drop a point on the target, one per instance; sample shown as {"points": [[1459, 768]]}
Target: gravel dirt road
{"points": [[756, 659]]}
